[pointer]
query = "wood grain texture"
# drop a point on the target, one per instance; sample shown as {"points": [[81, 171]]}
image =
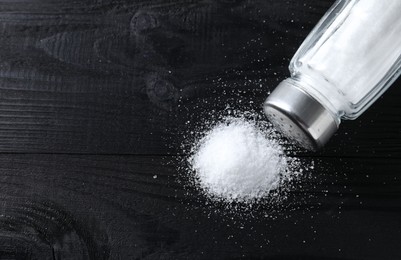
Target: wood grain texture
{"points": [[97, 97], [109, 76], [130, 207]]}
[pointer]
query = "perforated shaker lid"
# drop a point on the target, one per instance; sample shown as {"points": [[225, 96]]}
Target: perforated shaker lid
{"points": [[299, 116]]}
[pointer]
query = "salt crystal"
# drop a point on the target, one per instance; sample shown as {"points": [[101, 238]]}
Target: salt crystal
{"points": [[237, 161]]}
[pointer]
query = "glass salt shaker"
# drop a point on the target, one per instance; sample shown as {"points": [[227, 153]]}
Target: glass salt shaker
{"points": [[348, 60]]}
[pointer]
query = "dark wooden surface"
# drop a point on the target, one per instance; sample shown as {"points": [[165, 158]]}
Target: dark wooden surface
{"points": [[96, 97]]}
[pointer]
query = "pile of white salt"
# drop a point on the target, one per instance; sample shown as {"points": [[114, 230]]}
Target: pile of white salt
{"points": [[238, 161]]}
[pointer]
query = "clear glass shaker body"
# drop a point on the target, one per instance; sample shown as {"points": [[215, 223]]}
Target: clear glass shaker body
{"points": [[349, 59]]}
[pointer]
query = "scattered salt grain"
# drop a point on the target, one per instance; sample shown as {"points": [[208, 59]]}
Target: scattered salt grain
{"points": [[238, 161]]}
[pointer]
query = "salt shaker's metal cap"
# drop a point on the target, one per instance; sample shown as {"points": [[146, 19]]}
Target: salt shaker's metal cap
{"points": [[299, 116]]}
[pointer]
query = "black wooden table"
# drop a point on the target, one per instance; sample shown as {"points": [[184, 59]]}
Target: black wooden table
{"points": [[96, 98]]}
